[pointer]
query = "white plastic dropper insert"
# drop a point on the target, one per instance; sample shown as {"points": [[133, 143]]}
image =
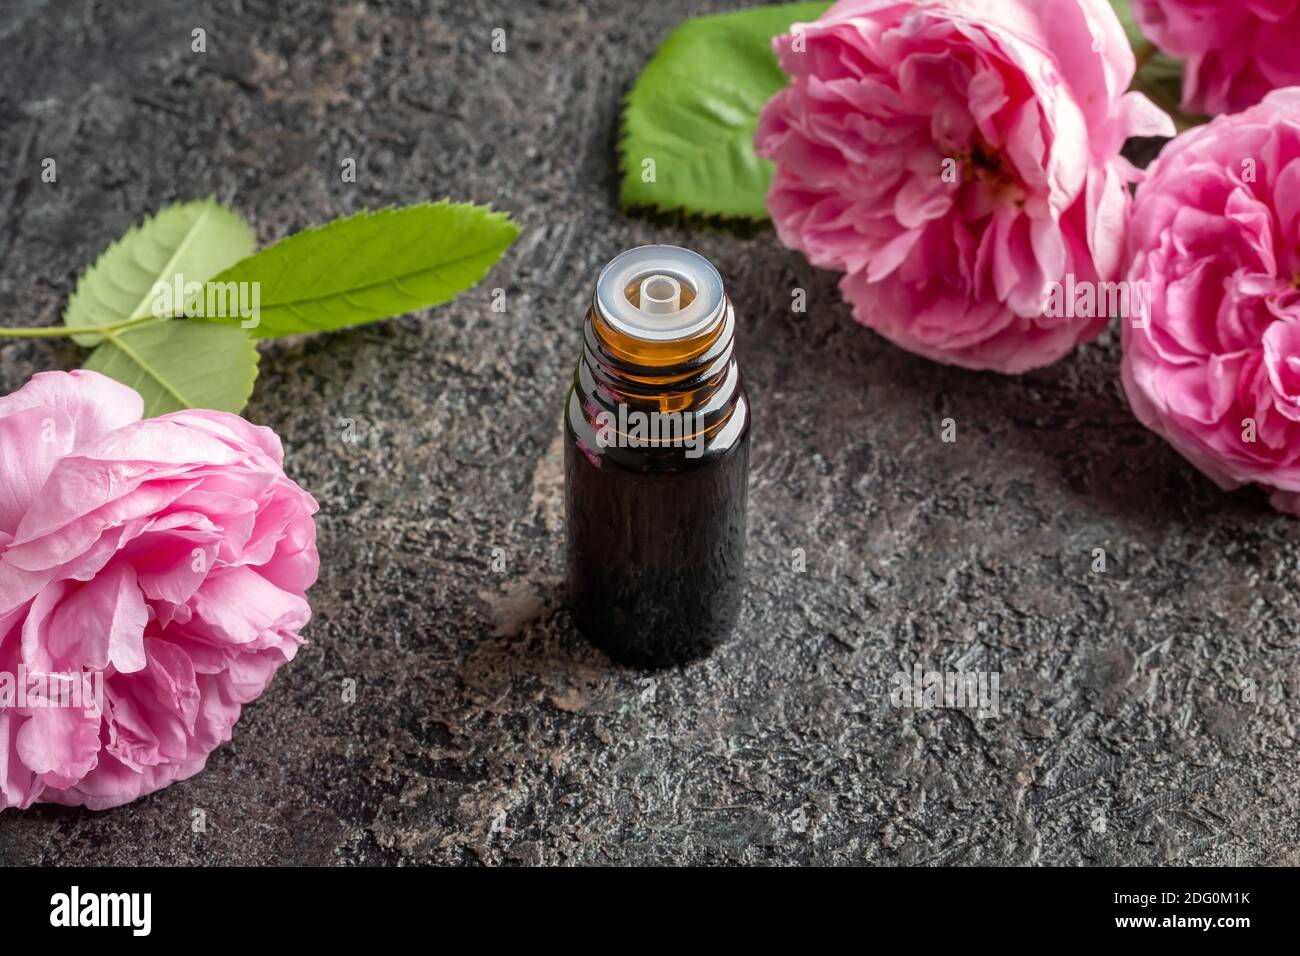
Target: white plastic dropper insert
{"points": [[661, 295], [660, 276]]}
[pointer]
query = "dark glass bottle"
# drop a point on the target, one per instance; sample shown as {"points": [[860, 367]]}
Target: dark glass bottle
{"points": [[657, 461]]}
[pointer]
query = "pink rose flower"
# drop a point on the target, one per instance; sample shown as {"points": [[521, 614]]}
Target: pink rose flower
{"points": [[1233, 53], [955, 158], [1216, 234], [164, 561]]}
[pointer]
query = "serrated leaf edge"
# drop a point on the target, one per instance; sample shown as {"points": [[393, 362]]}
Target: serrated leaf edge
{"points": [[497, 216], [683, 34], [209, 204]]}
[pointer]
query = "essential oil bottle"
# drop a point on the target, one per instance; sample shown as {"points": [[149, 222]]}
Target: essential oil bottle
{"points": [[657, 461]]}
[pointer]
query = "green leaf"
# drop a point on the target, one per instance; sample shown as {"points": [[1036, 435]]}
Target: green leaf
{"points": [[371, 266], [181, 364], [195, 240], [1158, 75], [694, 109]]}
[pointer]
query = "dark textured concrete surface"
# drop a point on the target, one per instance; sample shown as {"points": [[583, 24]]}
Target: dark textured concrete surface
{"points": [[485, 730]]}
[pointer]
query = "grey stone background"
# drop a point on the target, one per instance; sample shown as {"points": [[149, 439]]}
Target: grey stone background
{"points": [[485, 731]]}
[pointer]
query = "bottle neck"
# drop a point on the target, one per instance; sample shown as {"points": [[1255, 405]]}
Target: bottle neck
{"points": [[676, 374], [620, 374]]}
